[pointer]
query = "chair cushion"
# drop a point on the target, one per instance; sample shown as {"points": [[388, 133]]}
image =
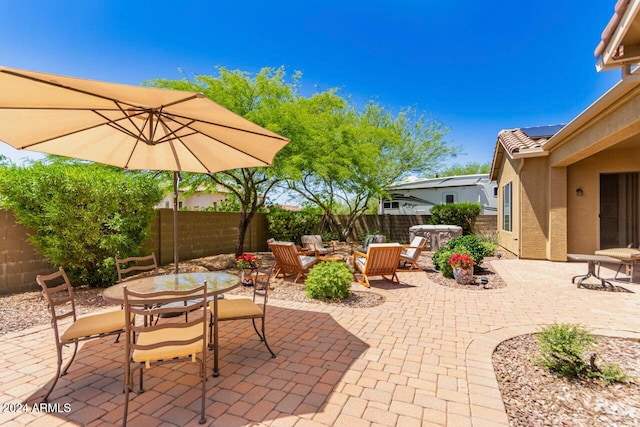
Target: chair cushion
{"points": [[412, 252], [170, 351], [237, 308], [361, 262], [95, 324], [307, 261]]}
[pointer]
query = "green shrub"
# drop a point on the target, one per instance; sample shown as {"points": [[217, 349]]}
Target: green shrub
{"points": [[470, 244], [477, 249], [440, 259], [289, 226], [463, 214], [562, 346], [81, 214], [329, 280]]}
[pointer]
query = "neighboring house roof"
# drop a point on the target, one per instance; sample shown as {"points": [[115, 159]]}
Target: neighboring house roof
{"points": [[620, 40], [444, 182]]}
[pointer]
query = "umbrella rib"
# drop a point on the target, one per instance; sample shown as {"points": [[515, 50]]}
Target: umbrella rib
{"points": [[188, 126], [230, 127]]}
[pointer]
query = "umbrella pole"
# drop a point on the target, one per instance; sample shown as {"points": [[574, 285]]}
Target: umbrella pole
{"points": [[175, 221]]}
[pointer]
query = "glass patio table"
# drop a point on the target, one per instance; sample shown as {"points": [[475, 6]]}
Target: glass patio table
{"points": [[217, 284]]}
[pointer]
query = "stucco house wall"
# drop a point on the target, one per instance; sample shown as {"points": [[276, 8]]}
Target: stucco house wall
{"points": [[583, 211], [508, 173]]}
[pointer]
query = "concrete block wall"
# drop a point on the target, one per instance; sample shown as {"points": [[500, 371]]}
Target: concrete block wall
{"points": [[203, 234], [200, 234], [20, 262]]}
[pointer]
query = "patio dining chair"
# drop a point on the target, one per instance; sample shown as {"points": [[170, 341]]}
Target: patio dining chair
{"points": [[381, 259], [168, 341], [243, 308], [410, 253], [58, 292], [128, 267]]}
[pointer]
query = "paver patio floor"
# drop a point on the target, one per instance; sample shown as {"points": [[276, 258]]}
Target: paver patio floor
{"points": [[422, 358]]}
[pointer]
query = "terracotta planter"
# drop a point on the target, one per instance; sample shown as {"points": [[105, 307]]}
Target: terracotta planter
{"points": [[464, 276]]}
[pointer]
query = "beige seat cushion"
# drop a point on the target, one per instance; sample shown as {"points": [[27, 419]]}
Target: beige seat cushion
{"points": [[235, 308], [94, 325], [170, 351]]}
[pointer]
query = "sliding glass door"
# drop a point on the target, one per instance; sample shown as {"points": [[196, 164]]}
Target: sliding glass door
{"points": [[619, 210]]}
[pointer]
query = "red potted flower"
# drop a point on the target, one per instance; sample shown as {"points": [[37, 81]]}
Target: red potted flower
{"points": [[248, 264], [462, 265]]}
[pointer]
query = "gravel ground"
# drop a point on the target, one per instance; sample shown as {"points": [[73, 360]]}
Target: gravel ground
{"points": [[532, 396]]}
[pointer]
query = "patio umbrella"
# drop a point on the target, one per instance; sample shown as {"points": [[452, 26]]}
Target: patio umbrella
{"points": [[131, 127]]}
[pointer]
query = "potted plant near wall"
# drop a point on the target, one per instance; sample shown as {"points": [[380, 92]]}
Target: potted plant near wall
{"points": [[249, 265], [462, 265]]}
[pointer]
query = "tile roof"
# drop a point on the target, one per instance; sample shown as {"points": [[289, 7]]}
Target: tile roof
{"points": [[620, 8], [515, 140]]}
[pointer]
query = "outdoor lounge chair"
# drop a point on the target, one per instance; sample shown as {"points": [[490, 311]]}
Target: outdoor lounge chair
{"points": [[313, 242], [289, 261], [381, 259], [168, 341], [245, 308], [369, 239], [411, 253], [58, 293]]}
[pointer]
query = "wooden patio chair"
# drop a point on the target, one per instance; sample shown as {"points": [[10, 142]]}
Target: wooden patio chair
{"points": [[369, 239], [381, 259], [130, 266], [58, 293], [411, 253], [289, 261], [168, 341], [313, 242]]}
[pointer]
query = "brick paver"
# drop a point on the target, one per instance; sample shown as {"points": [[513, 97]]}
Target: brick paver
{"points": [[421, 358]]}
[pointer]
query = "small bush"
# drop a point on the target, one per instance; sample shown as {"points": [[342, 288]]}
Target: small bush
{"points": [[471, 245], [562, 347], [441, 258], [329, 280], [463, 214]]}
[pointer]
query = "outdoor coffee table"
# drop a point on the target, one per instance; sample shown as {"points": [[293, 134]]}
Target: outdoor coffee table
{"points": [[217, 284]]}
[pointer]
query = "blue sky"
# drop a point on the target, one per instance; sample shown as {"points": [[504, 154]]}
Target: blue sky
{"points": [[477, 67]]}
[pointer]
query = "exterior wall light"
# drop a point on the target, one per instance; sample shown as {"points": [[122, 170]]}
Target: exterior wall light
{"points": [[579, 192]]}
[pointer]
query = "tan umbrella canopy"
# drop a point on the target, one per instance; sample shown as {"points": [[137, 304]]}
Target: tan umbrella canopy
{"points": [[132, 127]]}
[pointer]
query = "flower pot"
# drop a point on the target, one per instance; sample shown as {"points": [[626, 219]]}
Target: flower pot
{"points": [[464, 276], [248, 275]]}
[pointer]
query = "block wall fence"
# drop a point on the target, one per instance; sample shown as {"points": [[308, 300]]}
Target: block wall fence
{"points": [[200, 234]]}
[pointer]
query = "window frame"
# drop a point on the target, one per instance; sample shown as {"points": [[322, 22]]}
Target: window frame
{"points": [[507, 207]]}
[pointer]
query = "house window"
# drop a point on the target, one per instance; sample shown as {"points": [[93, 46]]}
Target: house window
{"points": [[449, 198], [391, 205], [506, 208]]}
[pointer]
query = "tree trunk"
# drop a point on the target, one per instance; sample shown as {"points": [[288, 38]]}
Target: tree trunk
{"points": [[243, 226]]}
